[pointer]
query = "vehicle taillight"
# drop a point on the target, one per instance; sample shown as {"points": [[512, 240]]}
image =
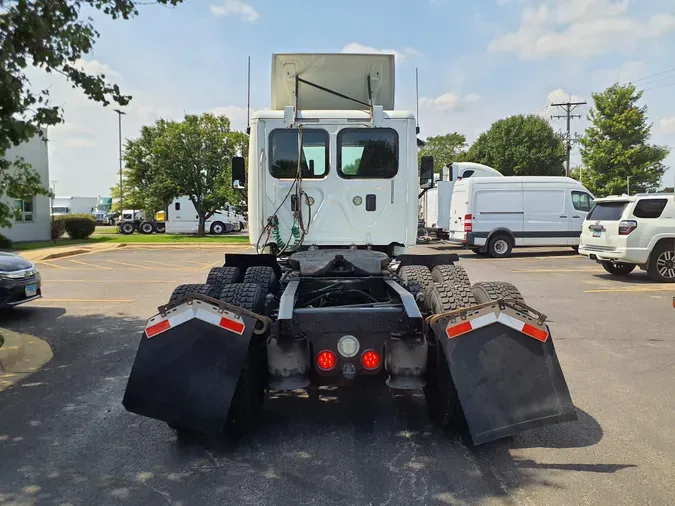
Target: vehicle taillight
{"points": [[627, 226], [326, 360], [468, 223], [370, 360]]}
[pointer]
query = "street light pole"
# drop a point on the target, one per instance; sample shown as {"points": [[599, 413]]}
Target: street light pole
{"points": [[119, 114]]}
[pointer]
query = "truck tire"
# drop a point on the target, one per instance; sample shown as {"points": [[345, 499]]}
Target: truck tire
{"points": [[662, 262], [146, 227], [262, 276], [217, 228], [127, 228], [415, 278], [160, 227], [221, 276], [455, 276], [500, 246], [249, 394], [182, 290], [440, 392], [488, 291], [618, 268]]}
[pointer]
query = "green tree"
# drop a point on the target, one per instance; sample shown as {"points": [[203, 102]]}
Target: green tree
{"points": [[445, 149], [520, 146], [615, 146], [192, 157], [50, 35]]}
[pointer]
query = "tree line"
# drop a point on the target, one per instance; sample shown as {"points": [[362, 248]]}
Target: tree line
{"points": [[613, 148]]}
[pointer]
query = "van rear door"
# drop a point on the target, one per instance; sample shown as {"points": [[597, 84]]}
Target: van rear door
{"points": [[459, 208]]}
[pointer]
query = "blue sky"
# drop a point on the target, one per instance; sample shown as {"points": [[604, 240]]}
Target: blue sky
{"points": [[478, 61]]}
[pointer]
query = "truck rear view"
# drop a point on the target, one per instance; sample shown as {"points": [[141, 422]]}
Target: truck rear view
{"points": [[332, 294]]}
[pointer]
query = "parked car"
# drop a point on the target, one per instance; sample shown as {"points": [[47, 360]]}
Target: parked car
{"points": [[624, 232], [19, 280], [495, 214]]}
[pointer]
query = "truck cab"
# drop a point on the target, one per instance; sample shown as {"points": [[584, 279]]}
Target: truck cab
{"points": [[358, 168]]}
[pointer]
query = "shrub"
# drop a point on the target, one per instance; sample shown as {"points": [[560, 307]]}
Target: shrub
{"points": [[5, 243], [79, 226], [58, 227]]}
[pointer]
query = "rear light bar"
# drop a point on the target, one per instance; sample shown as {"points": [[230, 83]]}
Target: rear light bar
{"points": [[226, 320], [455, 330], [468, 223], [627, 226]]}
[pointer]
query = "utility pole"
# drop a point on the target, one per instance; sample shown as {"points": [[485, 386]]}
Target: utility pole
{"points": [[568, 107], [119, 114]]}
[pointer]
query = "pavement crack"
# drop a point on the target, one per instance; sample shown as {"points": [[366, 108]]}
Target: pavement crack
{"points": [[165, 495]]}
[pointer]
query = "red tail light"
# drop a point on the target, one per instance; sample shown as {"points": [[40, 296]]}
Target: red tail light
{"points": [[370, 360], [468, 223], [627, 226], [326, 360]]}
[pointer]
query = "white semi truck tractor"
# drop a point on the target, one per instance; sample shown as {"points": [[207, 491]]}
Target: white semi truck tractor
{"points": [[332, 293]]}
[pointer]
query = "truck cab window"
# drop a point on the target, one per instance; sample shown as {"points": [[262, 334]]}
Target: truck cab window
{"points": [[581, 201], [284, 153], [177, 206], [367, 153]]}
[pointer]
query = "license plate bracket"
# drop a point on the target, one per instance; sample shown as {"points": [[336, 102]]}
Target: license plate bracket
{"points": [[596, 233], [31, 290]]}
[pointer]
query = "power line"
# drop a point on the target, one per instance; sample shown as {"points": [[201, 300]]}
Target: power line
{"points": [[568, 107]]}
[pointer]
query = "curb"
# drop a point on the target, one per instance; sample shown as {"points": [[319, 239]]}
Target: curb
{"points": [[20, 356], [78, 251], [12, 351]]}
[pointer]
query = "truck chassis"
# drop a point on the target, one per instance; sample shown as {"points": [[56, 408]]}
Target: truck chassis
{"points": [[484, 359]]}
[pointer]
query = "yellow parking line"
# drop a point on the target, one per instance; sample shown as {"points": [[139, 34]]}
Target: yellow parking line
{"points": [[51, 265], [107, 281], [202, 264], [131, 265], [636, 289], [91, 265], [554, 270], [171, 265], [85, 300]]}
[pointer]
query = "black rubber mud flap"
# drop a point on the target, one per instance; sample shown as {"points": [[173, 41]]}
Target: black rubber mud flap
{"points": [[507, 382], [186, 375]]}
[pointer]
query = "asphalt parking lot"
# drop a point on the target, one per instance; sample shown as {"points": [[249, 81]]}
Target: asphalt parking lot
{"points": [[66, 439]]}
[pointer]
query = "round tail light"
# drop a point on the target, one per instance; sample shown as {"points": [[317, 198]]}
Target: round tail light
{"points": [[370, 360], [326, 360]]}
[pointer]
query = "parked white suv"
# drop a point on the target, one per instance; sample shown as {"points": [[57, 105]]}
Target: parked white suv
{"points": [[622, 232]]}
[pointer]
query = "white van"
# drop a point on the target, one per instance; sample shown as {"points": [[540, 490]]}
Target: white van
{"points": [[436, 202], [182, 218], [496, 214]]}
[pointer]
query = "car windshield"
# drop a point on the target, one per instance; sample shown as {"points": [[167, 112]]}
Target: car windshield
{"points": [[607, 211]]}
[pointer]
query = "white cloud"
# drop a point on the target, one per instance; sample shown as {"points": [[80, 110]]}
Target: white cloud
{"points": [[449, 101], [579, 28], [95, 67], [77, 143], [399, 56], [627, 72], [667, 125], [235, 8]]}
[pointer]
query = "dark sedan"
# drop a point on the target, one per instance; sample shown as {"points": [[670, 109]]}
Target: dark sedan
{"points": [[19, 280]]}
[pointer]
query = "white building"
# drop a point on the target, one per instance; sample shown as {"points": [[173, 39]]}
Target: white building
{"points": [[31, 222]]}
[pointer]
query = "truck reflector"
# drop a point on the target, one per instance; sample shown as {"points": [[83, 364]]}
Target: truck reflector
{"points": [[181, 314], [457, 329]]}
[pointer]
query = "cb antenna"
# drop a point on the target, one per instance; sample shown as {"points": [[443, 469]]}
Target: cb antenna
{"points": [[417, 97], [248, 105]]}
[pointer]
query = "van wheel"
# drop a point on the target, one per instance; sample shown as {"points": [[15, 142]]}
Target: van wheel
{"points": [[217, 228], [500, 246], [662, 263], [618, 268]]}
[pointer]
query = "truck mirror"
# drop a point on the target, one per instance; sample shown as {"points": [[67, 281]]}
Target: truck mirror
{"points": [[238, 172], [427, 171]]}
